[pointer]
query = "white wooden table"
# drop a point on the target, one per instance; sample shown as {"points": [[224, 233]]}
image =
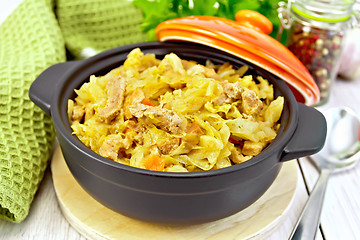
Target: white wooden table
{"points": [[340, 216]]}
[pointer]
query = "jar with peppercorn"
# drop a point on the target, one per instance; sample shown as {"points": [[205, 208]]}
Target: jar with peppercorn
{"points": [[314, 32]]}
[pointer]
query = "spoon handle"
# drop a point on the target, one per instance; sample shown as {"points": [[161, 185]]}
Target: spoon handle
{"points": [[308, 222]]}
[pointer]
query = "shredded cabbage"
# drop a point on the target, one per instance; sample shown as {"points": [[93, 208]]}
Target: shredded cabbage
{"points": [[175, 115]]}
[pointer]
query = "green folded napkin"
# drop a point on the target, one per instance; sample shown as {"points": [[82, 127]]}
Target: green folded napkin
{"points": [[38, 34]]}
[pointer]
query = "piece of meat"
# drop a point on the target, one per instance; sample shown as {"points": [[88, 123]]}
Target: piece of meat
{"points": [[139, 129], [164, 118], [168, 145], [232, 92], [237, 157], [251, 148], [111, 146], [78, 113], [135, 126], [132, 104], [89, 112], [116, 91], [251, 104], [137, 110], [221, 100]]}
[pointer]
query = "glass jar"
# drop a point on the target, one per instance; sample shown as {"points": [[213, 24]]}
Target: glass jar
{"points": [[315, 31]]}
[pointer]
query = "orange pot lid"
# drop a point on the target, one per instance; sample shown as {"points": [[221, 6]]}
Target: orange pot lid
{"points": [[246, 39]]}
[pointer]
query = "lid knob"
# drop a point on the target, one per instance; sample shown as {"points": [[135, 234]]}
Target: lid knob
{"points": [[254, 20]]}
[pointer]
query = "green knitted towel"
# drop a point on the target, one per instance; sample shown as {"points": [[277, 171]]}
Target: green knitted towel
{"points": [[35, 36]]}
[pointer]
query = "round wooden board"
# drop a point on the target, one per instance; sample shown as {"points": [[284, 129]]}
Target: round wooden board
{"points": [[94, 221]]}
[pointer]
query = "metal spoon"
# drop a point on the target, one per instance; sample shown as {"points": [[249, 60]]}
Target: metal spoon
{"points": [[341, 151]]}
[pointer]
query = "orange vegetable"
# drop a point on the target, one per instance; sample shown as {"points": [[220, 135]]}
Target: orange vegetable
{"points": [[147, 102], [194, 128], [127, 130], [254, 20], [155, 163]]}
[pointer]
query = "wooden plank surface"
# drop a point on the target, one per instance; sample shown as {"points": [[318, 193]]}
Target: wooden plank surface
{"points": [[341, 211]]}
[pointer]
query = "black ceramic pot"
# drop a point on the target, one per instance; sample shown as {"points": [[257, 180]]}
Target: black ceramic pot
{"points": [[174, 198]]}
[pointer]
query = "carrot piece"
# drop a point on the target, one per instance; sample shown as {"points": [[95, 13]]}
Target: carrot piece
{"points": [[194, 127], [127, 130], [147, 102], [155, 163], [236, 142]]}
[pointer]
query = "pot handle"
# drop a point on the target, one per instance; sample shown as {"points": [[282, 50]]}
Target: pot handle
{"points": [[309, 136], [41, 90]]}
